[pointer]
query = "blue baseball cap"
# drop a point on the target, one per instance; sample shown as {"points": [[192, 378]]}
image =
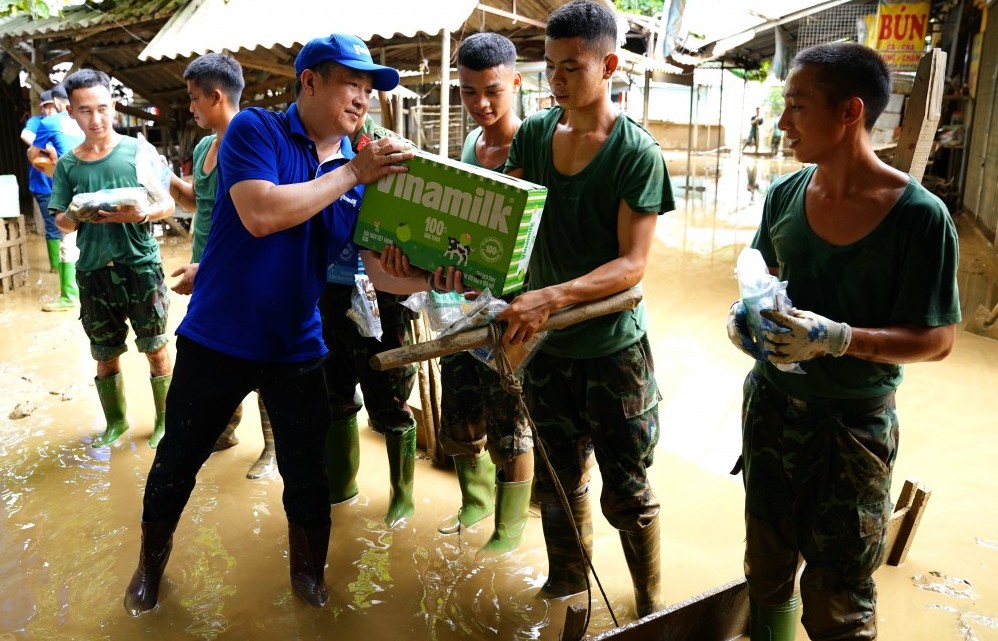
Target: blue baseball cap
{"points": [[349, 51], [46, 98]]}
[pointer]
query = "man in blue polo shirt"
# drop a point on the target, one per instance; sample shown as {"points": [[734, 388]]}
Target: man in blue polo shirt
{"points": [[39, 183], [290, 187]]}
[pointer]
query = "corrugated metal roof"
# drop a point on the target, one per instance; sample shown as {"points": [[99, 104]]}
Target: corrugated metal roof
{"points": [[85, 17], [213, 25]]}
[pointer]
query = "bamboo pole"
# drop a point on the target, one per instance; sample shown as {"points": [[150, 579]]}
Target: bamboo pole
{"points": [[464, 341]]}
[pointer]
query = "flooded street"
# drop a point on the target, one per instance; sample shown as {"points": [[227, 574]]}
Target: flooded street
{"points": [[69, 530]]}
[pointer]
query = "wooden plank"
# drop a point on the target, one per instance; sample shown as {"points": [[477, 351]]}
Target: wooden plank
{"points": [[909, 525], [575, 622], [921, 115], [720, 614]]}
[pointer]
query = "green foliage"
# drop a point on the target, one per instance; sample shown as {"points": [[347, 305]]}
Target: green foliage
{"points": [[640, 7], [774, 100], [37, 8]]}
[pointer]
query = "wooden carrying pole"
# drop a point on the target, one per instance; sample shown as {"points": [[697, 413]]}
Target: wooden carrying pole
{"points": [[921, 115], [464, 341]]}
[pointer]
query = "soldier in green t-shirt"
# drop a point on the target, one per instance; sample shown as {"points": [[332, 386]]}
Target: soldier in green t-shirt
{"points": [[479, 421], [214, 85], [119, 272], [872, 257], [591, 388]]}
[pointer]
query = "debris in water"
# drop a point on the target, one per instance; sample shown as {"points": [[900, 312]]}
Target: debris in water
{"points": [[987, 543], [21, 410], [939, 582]]}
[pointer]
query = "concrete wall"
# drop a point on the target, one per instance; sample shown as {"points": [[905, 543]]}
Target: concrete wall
{"points": [[676, 135]]}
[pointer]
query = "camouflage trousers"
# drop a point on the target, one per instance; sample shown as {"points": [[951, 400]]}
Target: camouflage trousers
{"points": [[607, 406], [112, 295], [386, 394], [476, 412], [817, 479]]}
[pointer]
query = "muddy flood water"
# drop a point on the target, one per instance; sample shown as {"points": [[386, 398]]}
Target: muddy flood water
{"points": [[69, 529]]}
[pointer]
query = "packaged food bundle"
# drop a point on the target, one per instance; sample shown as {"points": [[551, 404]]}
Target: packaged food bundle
{"points": [[84, 208]]}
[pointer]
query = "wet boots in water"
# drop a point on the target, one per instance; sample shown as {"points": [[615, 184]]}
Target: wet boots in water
{"points": [[228, 436], [401, 470], [160, 387], [143, 589], [567, 570], [774, 623], [512, 511], [111, 391], [642, 550], [53, 248], [307, 555], [267, 463], [476, 476], [342, 459], [69, 294]]}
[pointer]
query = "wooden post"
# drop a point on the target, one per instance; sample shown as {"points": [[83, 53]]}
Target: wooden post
{"points": [[921, 115], [575, 622]]}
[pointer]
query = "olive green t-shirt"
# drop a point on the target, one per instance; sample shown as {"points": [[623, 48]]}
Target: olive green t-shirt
{"points": [[205, 186], [100, 244], [902, 272], [578, 230]]}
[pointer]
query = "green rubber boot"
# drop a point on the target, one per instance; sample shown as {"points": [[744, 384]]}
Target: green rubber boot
{"points": [[567, 570], [774, 623], [401, 471], [69, 294], [512, 511], [642, 551], [476, 476], [342, 459], [52, 244], [111, 391], [267, 463], [160, 386]]}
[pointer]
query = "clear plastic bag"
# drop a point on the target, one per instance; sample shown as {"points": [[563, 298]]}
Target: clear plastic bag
{"points": [[761, 290], [84, 208], [364, 311], [152, 171]]}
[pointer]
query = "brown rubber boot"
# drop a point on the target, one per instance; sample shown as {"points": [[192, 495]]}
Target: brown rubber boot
{"points": [[228, 437], [567, 570], [642, 550], [267, 463]]}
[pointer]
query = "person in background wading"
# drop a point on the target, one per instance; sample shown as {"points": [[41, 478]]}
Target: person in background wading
{"points": [[481, 424], [870, 260], [214, 86], [54, 135], [590, 388], [40, 181]]}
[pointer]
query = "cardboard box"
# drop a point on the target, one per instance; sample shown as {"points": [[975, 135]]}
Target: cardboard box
{"points": [[443, 212]]}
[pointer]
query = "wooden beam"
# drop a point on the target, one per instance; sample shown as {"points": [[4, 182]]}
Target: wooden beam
{"points": [[38, 78], [513, 16], [921, 115], [254, 62], [141, 114]]}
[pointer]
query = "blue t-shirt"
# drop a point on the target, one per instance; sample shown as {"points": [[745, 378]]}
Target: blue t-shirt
{"points": [[38, 182], [256, 298], [60, 131]]}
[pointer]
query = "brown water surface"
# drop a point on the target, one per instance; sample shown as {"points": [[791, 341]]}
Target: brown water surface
{"points": [[69, 530]]}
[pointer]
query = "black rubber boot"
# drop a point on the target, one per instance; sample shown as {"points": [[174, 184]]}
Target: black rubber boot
{"points": [[307, 555], [642, 550], [567, 570], [157, 542]]}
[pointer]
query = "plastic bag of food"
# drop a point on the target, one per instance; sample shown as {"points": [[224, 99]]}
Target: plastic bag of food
{"points": [[84, 208], [761, 290], [364, 310]]}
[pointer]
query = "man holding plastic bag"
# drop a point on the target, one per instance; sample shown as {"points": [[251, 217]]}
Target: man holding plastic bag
{"points": [[866, 261], [109, 189]]}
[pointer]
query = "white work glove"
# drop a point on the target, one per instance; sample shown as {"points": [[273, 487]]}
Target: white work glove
{"points": [[738, 330], [803, 335]]}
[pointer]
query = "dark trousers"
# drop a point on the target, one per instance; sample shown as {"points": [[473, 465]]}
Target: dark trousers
{"points": [[206, 388]]}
